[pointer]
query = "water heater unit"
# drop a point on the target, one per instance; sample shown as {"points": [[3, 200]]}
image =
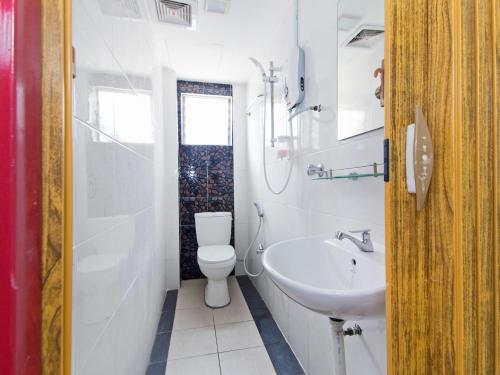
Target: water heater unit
{"points": [[294, 78]]}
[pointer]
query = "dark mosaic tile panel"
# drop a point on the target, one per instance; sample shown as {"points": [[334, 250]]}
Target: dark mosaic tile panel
{"points": [[220, 183], [232, 237], [204, 88], [220, 158], [193, 183], [221, 204], [205, 172], [188, 237], [217, 89], [189, 266], [193, 157], [191, 87], [189, 206], [188, 255]]}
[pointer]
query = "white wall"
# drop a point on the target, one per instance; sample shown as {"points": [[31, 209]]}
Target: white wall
{"points": [[240, 172], [316, 207], [166, 170], [125, 204]]}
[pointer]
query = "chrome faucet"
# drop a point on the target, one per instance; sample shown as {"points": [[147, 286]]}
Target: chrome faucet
{"points": [[365, 244]]}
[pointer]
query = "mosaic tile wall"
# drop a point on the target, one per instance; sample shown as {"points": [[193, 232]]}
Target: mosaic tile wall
{"points": [[206, 181]]}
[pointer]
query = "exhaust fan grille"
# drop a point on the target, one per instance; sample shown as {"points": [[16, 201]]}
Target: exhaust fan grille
{"points": [[364, 37], [174, 12]]}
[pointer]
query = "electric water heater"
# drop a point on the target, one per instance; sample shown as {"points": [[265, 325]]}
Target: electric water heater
{"points": [[293, 81]]}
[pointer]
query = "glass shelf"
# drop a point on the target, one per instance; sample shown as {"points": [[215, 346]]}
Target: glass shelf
{"points": [[351, 176]]}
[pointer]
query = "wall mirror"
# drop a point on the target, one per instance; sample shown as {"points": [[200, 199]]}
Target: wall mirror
{"points": [[360, 66]]}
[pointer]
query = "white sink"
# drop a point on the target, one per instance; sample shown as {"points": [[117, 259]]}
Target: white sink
{"points": [[329, 276]]}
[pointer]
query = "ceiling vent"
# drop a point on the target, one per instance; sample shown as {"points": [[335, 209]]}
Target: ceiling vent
{"points": [[217, 6], [175, 12], [121, 8], [365, 36]]}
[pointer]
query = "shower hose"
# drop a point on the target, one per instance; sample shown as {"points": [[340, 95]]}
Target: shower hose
{"points": [[290, 154], [248, 252]]}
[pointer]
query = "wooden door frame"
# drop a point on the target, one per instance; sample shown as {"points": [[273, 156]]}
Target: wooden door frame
{"points": [[56, 275]]}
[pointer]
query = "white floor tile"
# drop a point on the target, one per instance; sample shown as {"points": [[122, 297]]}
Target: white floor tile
{"points": [[193, 318], [192, 342], [254, 361], [197, 283], [204, 365], [235, 291], [235, 336], [191, 296], [233, 313], [196, 340]]}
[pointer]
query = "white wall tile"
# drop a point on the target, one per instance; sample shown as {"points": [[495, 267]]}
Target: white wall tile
{"points": [[126, 250]]}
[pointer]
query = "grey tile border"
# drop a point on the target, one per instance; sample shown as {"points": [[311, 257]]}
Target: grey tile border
{"points": [[166, 322], [282, 357], [160, 348], [157, 368], [159, 352], [170, 300]]}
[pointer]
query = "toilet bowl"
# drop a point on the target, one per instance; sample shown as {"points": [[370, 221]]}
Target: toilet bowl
{"points": [[216, 258]]}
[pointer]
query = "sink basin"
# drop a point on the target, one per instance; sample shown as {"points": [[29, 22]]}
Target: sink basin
{"points": [[329, 276]]}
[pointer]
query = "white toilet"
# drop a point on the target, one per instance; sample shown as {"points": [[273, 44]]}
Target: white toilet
{"points": [[216, 257]]}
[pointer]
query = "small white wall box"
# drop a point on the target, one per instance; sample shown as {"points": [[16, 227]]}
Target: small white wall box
{"points": [[294, 78]]}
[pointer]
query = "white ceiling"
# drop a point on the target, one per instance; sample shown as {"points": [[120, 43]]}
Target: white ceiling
{"points": [[219, 48]]}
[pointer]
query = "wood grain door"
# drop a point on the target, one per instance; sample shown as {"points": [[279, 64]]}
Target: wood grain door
{"points": [[443, 269]]}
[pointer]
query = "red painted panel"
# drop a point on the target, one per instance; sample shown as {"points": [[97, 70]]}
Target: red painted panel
{"points": [[20, 187]]}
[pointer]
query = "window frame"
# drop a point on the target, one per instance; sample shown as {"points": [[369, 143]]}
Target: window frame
{"points": [[229, 98]]}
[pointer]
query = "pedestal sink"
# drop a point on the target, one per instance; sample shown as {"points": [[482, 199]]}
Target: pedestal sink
{"points": [[331, 277]]}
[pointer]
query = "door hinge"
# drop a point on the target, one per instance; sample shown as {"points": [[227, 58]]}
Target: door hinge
{"points": [[73, 62], [386, 160]]}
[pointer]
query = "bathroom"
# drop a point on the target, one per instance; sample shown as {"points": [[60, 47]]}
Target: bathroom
{"points": [[222, 187], [200, 150]]}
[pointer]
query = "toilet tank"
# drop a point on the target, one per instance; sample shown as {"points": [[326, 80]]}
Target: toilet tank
{"points": [[213, 228]]}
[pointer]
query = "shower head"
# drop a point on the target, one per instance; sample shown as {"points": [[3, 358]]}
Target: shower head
{"points": [[258, 65]]}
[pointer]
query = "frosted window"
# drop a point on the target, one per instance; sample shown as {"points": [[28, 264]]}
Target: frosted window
{"points": [[125, 115], [206, 120]]}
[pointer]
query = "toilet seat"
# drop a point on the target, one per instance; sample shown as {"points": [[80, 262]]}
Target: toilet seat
{"points": [[216, 254]]}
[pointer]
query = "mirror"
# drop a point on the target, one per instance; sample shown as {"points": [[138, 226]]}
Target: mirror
{"points": [[360, 66]]}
